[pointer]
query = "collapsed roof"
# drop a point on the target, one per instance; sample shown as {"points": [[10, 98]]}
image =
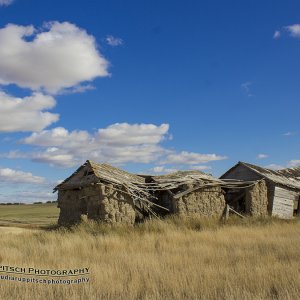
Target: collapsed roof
{"points": [[142, 191]]}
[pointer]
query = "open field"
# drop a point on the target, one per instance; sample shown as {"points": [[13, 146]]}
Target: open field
{"points": [[29, 215], [171, 259]]}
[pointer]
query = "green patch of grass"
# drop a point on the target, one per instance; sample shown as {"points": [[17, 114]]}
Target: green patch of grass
{"points": [[29, 215]]}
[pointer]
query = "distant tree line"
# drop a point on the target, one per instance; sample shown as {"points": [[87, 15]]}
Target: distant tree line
{"points": [[20, 203]]}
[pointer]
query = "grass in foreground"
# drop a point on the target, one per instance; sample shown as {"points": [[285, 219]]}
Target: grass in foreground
{"points": [[29, 215], [172, 259]]}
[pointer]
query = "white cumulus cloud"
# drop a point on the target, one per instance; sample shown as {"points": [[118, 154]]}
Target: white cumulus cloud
{"points": [[118, 144], [191, 158], [57, 137], [132, 134], [26, 114], [8, 175], [59, 56]]}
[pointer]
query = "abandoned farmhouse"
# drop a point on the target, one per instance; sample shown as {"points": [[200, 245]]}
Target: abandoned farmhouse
{"points": [[108, 194], [279, 190]]}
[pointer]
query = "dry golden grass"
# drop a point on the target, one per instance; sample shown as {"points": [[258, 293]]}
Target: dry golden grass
{"points": [[172, 259]]}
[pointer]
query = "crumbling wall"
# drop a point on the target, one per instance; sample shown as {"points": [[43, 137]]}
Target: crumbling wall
{"points": [[116, 207], [257, 199], [100, 202], [205, 202], [70, 208]]}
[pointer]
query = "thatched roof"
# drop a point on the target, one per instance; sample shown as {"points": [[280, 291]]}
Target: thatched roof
{"points": [[184, 176], [179, 178], [181, 183], [284, 177], [112, 174], [291, 172], [92, 172]]}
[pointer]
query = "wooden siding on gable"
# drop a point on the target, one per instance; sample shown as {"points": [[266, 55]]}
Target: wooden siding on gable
{"points": [[283, 203], [240, 172]]}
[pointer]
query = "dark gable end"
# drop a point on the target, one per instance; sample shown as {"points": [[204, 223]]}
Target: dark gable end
{"points": [[241, 171]]}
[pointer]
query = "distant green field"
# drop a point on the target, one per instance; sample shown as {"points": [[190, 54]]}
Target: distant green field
{"points": [[29, 215]]}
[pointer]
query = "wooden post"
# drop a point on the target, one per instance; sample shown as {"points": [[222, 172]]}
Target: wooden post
{"points": [[227, 212]]}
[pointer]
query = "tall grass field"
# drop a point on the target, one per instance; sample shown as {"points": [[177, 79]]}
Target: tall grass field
{"points": [[176, 258]]}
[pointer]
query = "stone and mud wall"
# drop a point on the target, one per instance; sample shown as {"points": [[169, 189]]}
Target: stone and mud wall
{"points": [[69, 204], [207, 202], [99, 202], [257, 199]]}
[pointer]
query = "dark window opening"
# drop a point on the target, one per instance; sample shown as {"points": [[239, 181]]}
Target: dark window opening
{"points": [[236, 199], [297, 207]]}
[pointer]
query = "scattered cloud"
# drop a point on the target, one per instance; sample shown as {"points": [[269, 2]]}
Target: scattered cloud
{"points": [[78, 89], [262, 156], [6, 2], [8, 176], [190, 158], [57, 137], [117, 144], [26, 114], [28, 196], [294, 163], [201, 168], [114, 41], [277, 34], [14, 154], [124, 134], [59, 56], [246, 88], [56, 157], [163, 170], [291, 164], [167, 170], [294, 30], [274, 167], [291, 30], [289, 133]]}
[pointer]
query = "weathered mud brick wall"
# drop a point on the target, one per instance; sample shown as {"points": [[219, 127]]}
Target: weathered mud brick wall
{"points": [[257, 199], [116, 207], [99, 202], [204, 202], [70, 208], [104, 203], [92, 199]]}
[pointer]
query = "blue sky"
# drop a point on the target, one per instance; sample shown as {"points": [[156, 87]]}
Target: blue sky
{"points": [[150, 87]]}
